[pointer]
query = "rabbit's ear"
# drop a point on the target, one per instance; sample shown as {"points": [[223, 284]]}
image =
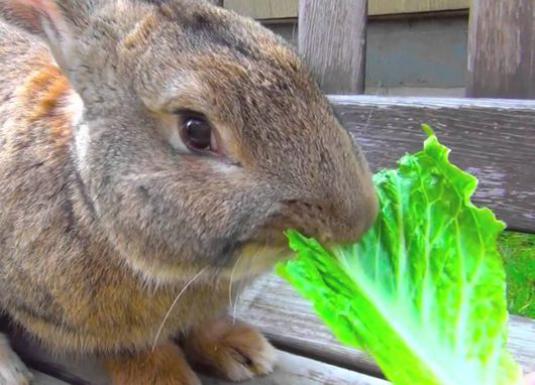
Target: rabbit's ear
{"points": [[56, 21]]}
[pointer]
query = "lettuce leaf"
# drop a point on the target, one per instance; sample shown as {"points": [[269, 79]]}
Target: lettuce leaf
{"points": [[424, 291]]}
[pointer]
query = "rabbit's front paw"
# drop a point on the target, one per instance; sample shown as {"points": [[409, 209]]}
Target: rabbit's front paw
{"points": [[164, 365], [232, 350], [12, 369]]}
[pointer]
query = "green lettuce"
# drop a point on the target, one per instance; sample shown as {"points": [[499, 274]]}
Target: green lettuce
{"points": [[424, 291]]}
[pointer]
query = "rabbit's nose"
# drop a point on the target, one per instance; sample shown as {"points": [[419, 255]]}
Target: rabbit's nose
{"points": [[333, 220]]}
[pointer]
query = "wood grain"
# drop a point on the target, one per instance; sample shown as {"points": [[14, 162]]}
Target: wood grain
{"points": [[291, 324], [386, 7], [264, 9], [283, 9], [332, 41], [492, 139], [43, 379], [296, 370], [290, 370], [501, 49]]}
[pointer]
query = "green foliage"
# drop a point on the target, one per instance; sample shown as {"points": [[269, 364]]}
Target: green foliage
{"points": [[424, 291], [518, 251]]}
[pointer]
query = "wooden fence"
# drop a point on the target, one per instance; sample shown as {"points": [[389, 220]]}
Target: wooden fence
{"points": [[492, 138]]}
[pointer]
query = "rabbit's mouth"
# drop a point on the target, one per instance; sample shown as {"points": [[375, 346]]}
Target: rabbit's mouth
{"points": [[246, 261], [255, 258], [256, 254]]}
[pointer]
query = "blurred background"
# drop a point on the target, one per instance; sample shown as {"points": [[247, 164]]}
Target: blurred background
{"points": [[441, 48], [414, 47]]}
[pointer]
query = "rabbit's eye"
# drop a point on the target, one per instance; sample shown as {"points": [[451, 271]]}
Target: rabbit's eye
{"points": [[197, 133]]}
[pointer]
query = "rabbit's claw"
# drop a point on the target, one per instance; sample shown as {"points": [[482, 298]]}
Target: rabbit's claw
{"points": [[232, 350]]}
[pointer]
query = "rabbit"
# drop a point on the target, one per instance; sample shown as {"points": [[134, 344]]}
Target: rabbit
{"points": [[152, 153]]}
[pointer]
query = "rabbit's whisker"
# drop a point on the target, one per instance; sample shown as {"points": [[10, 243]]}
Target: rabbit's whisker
{"points": [[232, 279], [186, 286]]}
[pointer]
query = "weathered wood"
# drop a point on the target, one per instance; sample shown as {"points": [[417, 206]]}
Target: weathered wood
{"points": [[43, 379], [283, 9], [296, 370], [386, 7], [290, 370], [501, 49], [291, 324], [332, 41], [493, 139], [264, 9]]}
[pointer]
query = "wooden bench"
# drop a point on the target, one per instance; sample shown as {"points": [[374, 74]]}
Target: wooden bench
{"points": [[495, 139], [309, 355], [492, 138]]}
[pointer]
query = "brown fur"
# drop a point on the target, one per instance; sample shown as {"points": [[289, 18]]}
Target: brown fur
{"points": [[165, 365], [105, 220]]}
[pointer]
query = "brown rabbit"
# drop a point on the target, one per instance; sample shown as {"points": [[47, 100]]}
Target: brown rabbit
{"points": [[151, 154]]}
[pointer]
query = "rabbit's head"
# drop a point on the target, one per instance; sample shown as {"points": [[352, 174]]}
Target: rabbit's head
{"points": [[199, 136]]}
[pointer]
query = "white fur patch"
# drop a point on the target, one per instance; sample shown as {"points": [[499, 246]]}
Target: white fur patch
{"points": [[73, 107], [224, 168], [81, 140]]}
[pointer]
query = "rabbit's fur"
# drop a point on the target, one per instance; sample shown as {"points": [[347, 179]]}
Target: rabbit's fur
{"points": [[105, 216]]}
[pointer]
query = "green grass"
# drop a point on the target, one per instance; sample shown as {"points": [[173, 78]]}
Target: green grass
{"points": [[518, 251]]}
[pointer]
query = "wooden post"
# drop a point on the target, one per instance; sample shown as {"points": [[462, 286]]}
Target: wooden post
{"points": [[332, 41], [501, 49]]}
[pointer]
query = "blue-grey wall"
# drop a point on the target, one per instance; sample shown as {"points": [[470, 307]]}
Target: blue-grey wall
{"points": [[424, 56], [428, 53]]}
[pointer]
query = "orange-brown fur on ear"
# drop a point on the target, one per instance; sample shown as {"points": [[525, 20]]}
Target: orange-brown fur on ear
{"points": [[33, 14], [27, 13]]}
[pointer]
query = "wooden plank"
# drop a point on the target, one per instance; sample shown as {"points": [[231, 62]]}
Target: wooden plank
{"points": [[501, 58], [43, 379], [285, 9], [290, 369], [387, 7], [265, 9], [296, 370], [332, 41], [493, 139], [291, 324]]}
